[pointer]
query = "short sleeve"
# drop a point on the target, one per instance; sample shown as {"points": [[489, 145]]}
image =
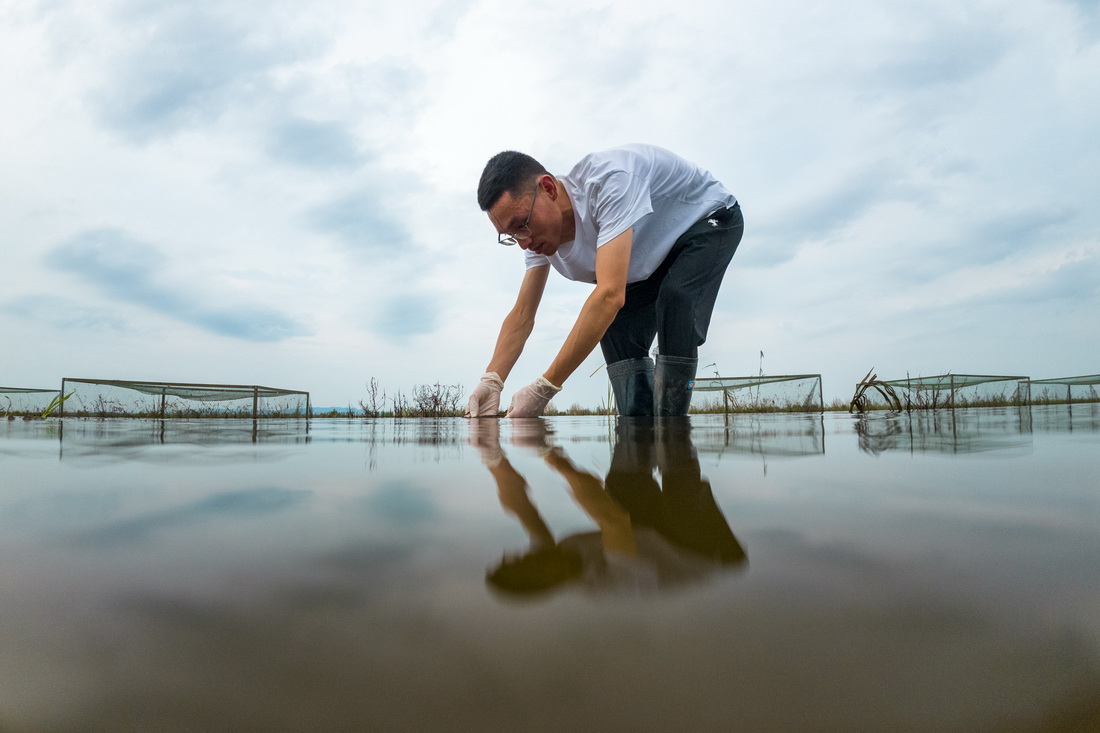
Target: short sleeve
{"points": [[620, 201], [533, 260]]}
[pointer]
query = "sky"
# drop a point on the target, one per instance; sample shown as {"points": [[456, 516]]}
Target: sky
{"points": [[284, 193]]}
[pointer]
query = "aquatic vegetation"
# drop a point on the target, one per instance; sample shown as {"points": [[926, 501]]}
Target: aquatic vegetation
{"points": [[55, 403], [871, 381], [427, 400], [375, 404], [941, 391]]}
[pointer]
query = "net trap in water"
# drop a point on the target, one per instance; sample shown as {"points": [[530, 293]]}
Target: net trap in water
{"points": [[778, 393], [944, 390], [121, 398], [1066, 390]]}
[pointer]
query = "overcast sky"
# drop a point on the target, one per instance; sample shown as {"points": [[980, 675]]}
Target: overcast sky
{"points": [[283, 193]]}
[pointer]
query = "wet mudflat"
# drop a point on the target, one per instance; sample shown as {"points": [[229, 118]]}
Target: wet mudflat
{"points": [[827, 573]]}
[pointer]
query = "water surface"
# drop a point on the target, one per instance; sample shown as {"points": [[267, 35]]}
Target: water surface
{"points": [[830, 573]]}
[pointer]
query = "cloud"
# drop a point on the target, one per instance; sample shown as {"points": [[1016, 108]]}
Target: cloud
{"points": [[314, 144], [1088, 13], [941, 53], [360, 222], [822, 213], [179, 64], [65, 314], [248, 323], [1023, 228], [1074, 280], [408, 315], [118, 264], [176, 64], [955, 243], [127, 270]]}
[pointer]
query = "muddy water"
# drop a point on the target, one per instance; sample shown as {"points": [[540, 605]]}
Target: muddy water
{"points": [[902, 573]]}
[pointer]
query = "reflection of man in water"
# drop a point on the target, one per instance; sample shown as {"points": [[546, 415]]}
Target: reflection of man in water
{"points": [[650, 536]]}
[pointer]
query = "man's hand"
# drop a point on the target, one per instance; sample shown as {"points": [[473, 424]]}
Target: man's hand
{"points": [[532, 399], [485, 399]]}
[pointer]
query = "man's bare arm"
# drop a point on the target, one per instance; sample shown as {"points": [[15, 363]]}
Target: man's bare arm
{"points": [[519, 322]]}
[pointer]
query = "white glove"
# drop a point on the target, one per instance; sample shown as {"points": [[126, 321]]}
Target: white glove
{"points": [[531, 400], [485, 399]]}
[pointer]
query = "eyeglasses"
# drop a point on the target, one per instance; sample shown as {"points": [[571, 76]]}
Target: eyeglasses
{"points": [[524, 232]]}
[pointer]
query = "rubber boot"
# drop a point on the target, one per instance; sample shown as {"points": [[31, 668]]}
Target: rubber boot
{"points": [[632, 383], [673, 381]]}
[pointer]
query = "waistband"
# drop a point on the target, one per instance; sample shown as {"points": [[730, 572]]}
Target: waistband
{"points": [[723, 212]]}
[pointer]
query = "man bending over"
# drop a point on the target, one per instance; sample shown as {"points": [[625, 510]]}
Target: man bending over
{"points": [[651, 231]]}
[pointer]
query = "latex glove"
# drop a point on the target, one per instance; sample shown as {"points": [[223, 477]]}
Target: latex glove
{"points": [[532, 399], [485, 399]]}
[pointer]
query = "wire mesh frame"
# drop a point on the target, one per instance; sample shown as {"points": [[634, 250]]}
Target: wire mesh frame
{"points": [[952, 383], [728, 385], [1086, 380], [8, 392], [192, 390]]}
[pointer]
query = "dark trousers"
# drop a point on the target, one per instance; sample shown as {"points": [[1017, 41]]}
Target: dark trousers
{"points": [[675, 303]]}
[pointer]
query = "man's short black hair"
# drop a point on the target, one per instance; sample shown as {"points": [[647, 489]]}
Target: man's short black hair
{"points": [[507, 172]]}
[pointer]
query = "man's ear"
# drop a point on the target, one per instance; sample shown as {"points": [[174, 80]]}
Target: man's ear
{"points": [[549, 185]]}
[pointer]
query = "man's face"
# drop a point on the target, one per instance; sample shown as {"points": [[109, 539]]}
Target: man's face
{"points": [[531, 219]]}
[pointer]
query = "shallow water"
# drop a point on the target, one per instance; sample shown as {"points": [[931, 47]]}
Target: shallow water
{"points": [[827, 573]]}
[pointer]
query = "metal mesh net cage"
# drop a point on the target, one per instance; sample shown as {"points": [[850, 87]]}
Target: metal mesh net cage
{"points": [[121, 398], [1066, 389], [780, 393], [25, 400], [953, 390]]}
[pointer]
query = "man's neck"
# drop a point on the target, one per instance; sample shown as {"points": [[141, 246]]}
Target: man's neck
{"points": [[565, 207]]}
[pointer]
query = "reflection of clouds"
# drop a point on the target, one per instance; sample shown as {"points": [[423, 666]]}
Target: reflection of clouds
{"points": [[403, 502], [822, 562], [233, 505]]}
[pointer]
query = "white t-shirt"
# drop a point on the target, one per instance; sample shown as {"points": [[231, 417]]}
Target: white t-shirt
{"points": [[657, 192]]}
